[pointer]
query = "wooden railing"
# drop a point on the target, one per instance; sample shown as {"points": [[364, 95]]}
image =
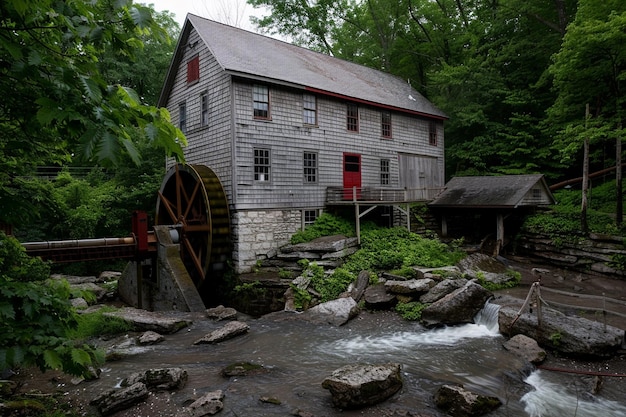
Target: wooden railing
{"points": [[341, 195]]}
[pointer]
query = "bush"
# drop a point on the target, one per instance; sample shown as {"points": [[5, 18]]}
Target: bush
{"points": [[325, 225], [411, 310], [36, 316], [97, 324]]}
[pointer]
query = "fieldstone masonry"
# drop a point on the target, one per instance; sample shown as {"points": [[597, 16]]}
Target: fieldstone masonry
{"points": [[258, 234]]}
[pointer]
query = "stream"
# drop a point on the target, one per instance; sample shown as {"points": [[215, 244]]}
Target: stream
{"points": [[297, 356]]}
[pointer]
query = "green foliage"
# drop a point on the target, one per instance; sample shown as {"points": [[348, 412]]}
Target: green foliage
{"points": [[57, 105], [515, 276], [412, 310], [325, 225], [555, 338], [97, 324], [382, 249], [36, 316], [302, 298], [398, 249]]}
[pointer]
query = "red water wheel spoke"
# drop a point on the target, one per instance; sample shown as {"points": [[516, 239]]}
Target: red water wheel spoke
{"points": [[194, 258], [168, 205]]}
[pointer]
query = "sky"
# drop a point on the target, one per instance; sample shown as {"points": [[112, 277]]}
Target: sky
{"points": [[231, 12]]}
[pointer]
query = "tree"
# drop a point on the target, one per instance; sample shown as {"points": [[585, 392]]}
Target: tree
{"points": [[590, 68], [56, 104]]}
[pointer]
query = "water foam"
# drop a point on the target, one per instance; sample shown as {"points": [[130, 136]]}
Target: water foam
{"points": [[550, 399]]}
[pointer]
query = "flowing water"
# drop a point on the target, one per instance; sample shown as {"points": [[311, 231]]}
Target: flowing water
{"points": [[298, 356]]}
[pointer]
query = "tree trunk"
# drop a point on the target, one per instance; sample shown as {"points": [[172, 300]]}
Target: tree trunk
{"points": [[619, 210], [585, 185]]}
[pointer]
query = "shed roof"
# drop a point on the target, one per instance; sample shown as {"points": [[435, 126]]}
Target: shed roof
{"points": [[254, 56], [507, 191]]}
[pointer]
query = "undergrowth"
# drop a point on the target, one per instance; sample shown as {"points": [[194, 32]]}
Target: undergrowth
{"points": [[411, 311], [98, 324]]}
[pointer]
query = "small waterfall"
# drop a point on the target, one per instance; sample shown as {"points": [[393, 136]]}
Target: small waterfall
{"points": [[554, 399], [488, 317]]}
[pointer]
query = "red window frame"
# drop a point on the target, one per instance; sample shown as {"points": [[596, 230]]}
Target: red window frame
{"points": [[193, 69]]}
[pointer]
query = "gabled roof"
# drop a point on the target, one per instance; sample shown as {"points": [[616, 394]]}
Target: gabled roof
{"points": [[253, 56], [507, 191]]}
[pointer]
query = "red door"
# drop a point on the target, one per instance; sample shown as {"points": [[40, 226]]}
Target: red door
{"points": [[351, 175]]}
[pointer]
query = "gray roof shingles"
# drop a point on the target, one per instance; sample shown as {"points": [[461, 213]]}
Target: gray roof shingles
{"points": [[252, 55], [487, 191]]}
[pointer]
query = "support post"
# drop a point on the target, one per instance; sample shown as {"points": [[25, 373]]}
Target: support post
{"points": [[357, 217]]}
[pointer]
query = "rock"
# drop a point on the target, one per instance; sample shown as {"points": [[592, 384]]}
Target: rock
{"points": [[361, 284], [114, 400], [412, 286], [106, 276], [446, 271], [480, 266], [456, 401], [325, 244], [79, 303], [209, 404], [526, 348], [228, 331], [242, 369], [150, 338], [221, 313], [270, 400], [377, 298], [571, 335], [442, 289], [163, 379], [335, 312], [356, 386], [143, 320], [460, 306]]}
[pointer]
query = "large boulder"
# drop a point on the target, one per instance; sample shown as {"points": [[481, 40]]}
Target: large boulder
{"points": [[377, 298], [335, 312], [458, 307], [526, 348], [456, 401], [358, 288], [228, 331], [484, 267], [567, 334], [357, 386], [114, 399], [143, 320], [158, 378], [409, 287], [209, 404], [442, 289]]}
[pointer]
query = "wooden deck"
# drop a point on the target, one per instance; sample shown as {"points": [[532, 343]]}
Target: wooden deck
{"points": [[378, 196]]}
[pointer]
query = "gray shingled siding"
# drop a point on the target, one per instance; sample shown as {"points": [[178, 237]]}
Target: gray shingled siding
{"points": [[210, 145], [287, 138]]}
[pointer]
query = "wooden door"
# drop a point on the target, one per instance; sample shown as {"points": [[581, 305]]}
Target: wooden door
{"points": [[351, 175], [419, 175]]}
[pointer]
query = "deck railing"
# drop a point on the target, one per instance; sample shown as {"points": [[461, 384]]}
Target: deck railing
{"points": [[342, 195]]}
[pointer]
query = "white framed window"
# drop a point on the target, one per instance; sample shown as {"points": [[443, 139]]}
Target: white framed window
{"points": [[309, 217], [352, 117], [310, 167], [262, 165], [432, 133], [261, 99], [384, 172], [309, 109], [204, 109], [385, 124], [182, 117]]}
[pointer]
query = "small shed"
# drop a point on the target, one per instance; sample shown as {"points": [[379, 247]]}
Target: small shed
{"points": [[500, 196]]}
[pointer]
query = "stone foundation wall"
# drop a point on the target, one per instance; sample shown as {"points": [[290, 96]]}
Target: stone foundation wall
{"points": [[597, 253], [257, 235]]}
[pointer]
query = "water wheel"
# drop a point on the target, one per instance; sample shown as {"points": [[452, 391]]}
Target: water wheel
{"points": [[193, 200]]}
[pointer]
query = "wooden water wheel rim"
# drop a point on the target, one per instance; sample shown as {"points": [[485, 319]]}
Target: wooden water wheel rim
{"points": [[190, 213]]}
